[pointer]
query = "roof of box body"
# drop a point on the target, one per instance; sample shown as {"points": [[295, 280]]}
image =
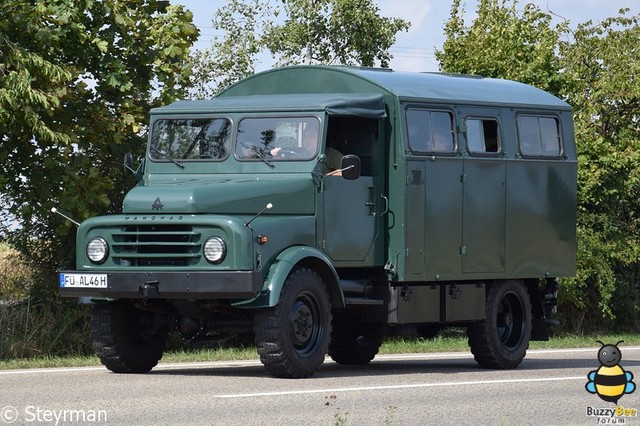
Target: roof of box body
{"points": [[358, 86]]}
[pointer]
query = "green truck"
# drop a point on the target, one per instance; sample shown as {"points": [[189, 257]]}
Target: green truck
{"points": [[322, 208]]}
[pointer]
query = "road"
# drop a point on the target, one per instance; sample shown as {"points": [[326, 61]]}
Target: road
{"points": [[444, 389]]}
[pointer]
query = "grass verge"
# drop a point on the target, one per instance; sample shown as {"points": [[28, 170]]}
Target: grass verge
{"points": [[453, 341]]}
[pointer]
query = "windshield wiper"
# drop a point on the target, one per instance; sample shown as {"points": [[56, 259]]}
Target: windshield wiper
{"points": [[259, 154], [166, 157]]}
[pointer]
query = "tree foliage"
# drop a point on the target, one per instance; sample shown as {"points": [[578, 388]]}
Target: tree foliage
{"points": [[347, 32], [601, 66], [78, 80], [233, 55], [595, 68], [503, 42]]}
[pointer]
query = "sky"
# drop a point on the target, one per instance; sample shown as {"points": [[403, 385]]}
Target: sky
{"points": [[414, 49]]}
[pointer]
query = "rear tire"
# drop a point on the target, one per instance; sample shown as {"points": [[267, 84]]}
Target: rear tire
{"points": [[501, 340], [126, 339], [292, 338], [428, 331], [354, 342]]}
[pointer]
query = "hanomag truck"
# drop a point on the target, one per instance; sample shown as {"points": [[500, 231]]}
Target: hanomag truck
{"points": [[452, 203]]}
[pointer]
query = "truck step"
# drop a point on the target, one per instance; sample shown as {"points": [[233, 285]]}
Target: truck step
{"points": [[358, 301]]}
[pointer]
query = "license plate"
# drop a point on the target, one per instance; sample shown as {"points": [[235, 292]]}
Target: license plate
{"points": [[83, 280]]}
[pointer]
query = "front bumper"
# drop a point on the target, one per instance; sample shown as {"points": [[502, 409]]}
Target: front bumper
{"points": [[172, 285]]}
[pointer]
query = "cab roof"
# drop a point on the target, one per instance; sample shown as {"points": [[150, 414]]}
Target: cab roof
{"points": [[369, 105]]}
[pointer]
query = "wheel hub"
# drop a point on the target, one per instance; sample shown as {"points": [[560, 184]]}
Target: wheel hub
{"points": [[508, 320], [302, 323]]}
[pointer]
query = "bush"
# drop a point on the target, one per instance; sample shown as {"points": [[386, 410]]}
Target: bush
{"points": [[30, 331], [34, 320], [15, 275]]}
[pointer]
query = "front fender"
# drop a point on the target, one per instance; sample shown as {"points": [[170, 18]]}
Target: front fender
{"points": [[282, 266]]}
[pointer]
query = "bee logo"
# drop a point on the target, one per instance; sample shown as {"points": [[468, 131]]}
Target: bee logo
{"points": [[610, 381]]}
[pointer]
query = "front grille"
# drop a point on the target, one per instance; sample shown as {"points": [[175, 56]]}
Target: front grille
{"points": [[156, 245]]}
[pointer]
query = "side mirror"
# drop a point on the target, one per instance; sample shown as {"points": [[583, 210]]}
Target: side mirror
{"points": [[128, 164], [350, 167]]}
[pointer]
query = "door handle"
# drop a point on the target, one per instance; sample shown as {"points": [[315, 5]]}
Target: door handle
{"points": [[371, 201], [386, 204]]}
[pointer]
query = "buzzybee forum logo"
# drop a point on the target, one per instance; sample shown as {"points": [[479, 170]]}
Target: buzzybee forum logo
{"points": [[610, 381]]}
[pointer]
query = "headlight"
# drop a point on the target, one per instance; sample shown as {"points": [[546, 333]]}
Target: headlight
{"points": [[215, 249], [97, 250]]}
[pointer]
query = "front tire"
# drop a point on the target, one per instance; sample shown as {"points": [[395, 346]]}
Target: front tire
{"points": [[126, 339], [292, 338], [501, 340]]}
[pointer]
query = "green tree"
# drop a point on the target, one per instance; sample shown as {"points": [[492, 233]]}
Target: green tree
{"points": [[602, 65], [77, 80], [346, 32], [595, 68], [233, 55], [501, 42]]}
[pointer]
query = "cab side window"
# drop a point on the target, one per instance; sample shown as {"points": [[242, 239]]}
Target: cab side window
{"points": [[352, 135], [538, 136], [430, 131], [483, 136]]}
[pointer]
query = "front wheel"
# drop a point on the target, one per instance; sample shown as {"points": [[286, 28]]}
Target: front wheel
{"points": [[501, 340], [126, 339], [292, 338]]}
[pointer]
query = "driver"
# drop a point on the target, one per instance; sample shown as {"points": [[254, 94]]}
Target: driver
{"points": [[309, 142]]}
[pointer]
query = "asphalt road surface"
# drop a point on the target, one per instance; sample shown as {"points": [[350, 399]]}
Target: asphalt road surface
{"points": [[418, 389]]}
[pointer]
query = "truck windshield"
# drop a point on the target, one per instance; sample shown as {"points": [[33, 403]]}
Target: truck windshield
{"points": [[277, 139], [190, 139]]}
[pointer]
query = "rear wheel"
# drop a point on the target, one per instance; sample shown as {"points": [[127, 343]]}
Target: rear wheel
{"points": [[292, 337], [353, 342], [501, 340], [428, 331], [126, 339]]}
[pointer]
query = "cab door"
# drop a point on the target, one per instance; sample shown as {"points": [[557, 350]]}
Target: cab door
{"points": [[351, 210]]}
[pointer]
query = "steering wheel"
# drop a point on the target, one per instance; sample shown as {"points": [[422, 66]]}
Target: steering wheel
{"points": [[284, 153]]}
